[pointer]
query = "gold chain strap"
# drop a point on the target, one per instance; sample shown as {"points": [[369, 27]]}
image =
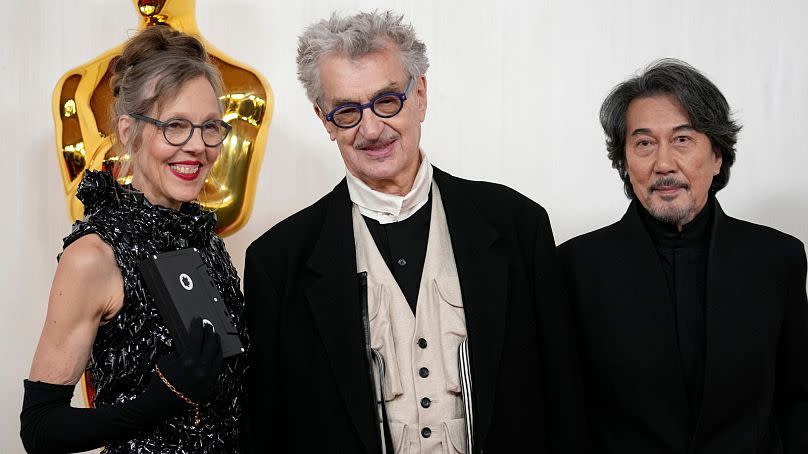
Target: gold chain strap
{"points": [[182, 396]]}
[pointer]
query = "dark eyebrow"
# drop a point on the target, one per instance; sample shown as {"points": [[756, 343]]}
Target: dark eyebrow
{"points": [[389, 88], [683, 127], [639, 131]]}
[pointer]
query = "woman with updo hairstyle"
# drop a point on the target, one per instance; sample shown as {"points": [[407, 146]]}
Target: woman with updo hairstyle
{"points": [[101, 318]]}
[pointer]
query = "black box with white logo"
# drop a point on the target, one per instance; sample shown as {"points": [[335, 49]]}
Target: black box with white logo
{"points": [[183, 290]]}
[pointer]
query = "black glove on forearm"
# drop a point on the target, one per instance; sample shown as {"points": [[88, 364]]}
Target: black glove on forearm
{"points": [[50, 425]]}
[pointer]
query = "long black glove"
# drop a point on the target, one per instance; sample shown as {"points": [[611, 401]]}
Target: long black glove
{"points": [[50, 425]]}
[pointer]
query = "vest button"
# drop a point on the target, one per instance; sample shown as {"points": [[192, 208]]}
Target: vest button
{"points": [[425, 402], [422, 342], [402, 262], [423, 372], [426, 432]]}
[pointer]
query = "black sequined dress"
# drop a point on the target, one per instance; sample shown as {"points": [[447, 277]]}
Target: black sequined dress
{"points": [[128, 346]]}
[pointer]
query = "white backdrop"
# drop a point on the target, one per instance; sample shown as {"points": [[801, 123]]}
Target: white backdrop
{"points": [[514, 92]]}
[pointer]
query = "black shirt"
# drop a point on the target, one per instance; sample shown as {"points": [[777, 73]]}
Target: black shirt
{"points": [[403, 247], [684, 260]]}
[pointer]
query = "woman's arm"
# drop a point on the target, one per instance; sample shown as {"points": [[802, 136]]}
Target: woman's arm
{"points": [[86, 291]]}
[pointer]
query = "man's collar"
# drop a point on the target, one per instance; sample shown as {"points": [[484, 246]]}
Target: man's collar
{"points": [[697, 231], [388, 208]]}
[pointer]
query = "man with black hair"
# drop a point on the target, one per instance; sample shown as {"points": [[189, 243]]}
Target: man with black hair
{"points": [[692, 325]]}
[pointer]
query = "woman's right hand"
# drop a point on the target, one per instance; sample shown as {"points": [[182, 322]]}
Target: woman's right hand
{"points": [[194, 370]]}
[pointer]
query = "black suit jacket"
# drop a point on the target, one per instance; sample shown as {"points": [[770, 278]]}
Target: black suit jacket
{"points": [[756, 367], [309, 387]]}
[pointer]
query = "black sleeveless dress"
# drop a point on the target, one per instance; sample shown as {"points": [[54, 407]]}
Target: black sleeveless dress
{"points": [[128, 346]]}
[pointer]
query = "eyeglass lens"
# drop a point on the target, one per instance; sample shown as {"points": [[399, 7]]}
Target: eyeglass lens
{"points": [[385, 106], [178, 131]]}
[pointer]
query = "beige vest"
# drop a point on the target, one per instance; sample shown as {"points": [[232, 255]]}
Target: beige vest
{"points": [[395, 333]]}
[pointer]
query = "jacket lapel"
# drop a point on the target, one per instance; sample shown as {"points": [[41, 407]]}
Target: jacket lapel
{"points": [[333, 295], [483, 272], [724, 320]]}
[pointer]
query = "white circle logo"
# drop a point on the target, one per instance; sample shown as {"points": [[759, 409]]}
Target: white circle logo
{"points": [[186, 282]]}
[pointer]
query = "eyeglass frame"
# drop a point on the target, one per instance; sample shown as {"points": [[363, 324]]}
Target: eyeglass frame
{"points": [[164, 124], [369, 105]]}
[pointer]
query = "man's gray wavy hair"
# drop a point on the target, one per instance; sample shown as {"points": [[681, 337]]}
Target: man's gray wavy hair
{"points": [[356, 36]]}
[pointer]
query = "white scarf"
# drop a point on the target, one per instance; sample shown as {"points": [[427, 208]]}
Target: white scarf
{"points": [[388, 208]]}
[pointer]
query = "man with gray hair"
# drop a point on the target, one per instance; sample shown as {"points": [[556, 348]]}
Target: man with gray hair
{"points": [[407, 310], [693, 325]]}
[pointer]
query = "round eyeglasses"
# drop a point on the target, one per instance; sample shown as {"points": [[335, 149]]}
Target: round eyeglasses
{"points": [[178, 131], [384, 105]]}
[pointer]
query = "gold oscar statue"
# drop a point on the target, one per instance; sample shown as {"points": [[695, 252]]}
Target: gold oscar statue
{"points": [[83, 101]]}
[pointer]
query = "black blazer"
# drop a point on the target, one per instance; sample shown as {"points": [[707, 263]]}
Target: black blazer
{"points": [[309, 387], [756, 367]]}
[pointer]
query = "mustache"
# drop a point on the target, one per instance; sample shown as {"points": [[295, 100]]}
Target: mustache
{"points": [[362, 143], [667, 182]]}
